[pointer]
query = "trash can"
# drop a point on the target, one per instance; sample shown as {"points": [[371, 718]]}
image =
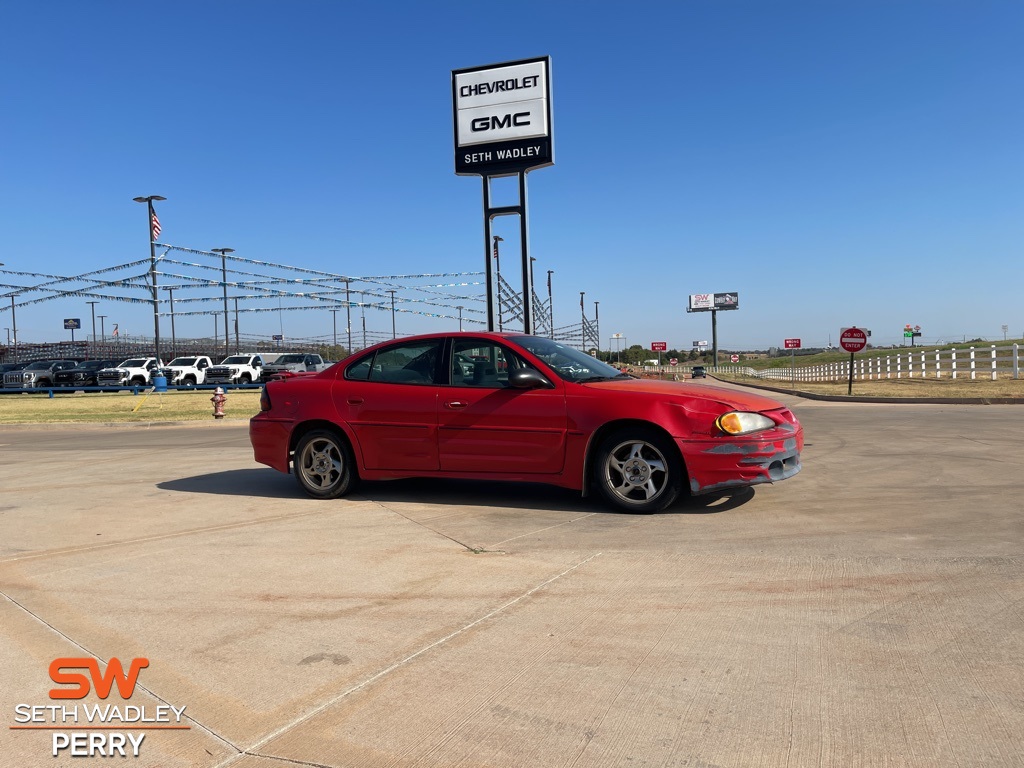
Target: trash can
{"points": [[160, 383]]}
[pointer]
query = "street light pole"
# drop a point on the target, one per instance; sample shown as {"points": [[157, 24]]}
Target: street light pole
{"points": [[460, 318], [551, 304], [14, 327], [393, 333], [92, 306], [103, 329], [237, 345], [153, 223], [497, 272], [362, 306], [348, 316], [583, 324], [224, 283], [174, 339], [334, 312]]}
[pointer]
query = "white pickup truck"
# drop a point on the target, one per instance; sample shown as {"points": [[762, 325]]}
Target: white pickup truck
{"points": [[236, 369], [187, 371], [135, 370], [294, 362]]}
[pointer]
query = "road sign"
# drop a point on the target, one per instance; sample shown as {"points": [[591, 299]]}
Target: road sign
{"points": [[72, 324], [735, 358], [853, 339], [673, 361], [792, 343], [659, 346]]}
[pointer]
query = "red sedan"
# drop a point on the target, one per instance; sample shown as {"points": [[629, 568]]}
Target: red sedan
{"points": [[501, 406]]}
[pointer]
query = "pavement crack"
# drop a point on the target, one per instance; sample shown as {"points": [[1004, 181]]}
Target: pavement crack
{"points": [[252, 748]]}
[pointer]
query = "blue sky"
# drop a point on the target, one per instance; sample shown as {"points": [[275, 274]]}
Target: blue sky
{"points": [[836, 163]]}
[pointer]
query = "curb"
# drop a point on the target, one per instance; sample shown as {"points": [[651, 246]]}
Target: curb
{"points": [[896, 400]]}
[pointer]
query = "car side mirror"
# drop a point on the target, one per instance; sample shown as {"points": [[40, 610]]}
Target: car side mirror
{"points": [[528, 378]]}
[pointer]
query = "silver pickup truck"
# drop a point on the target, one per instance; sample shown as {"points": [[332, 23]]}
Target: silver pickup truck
{"points": [[294, 362]]}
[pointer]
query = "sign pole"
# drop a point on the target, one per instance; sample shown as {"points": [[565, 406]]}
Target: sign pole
{"points": [[792, 369], [849, 387]]}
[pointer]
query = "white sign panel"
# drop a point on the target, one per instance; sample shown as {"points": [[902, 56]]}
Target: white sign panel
{"points": [[502, 117], [519, 120], [702, 301]]}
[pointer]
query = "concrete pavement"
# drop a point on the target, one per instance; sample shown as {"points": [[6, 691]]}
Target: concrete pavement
{"points": [[866, 612]]}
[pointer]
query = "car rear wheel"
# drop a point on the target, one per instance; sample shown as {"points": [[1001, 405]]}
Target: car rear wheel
{"points": [[324, 466], [638, 470]]}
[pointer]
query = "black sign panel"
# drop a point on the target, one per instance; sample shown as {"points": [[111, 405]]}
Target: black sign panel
{"points": [[506, 157], [727, 301], [72, 324]]}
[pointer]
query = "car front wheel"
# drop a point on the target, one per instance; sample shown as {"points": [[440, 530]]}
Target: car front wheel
{"points": [[324, 466], [638, 470]]}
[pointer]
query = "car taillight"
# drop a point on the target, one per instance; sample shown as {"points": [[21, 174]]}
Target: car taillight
{"points": [[264, 400]]}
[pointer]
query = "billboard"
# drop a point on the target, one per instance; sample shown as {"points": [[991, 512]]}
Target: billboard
{"points": [[706, 302], [502, 117]]}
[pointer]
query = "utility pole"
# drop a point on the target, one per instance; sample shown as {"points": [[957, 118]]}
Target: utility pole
{"points": [[334, 313], [393, 333]]}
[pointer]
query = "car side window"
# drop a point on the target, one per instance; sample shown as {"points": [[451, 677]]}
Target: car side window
{"points": [[484, 364], [404, 363]]}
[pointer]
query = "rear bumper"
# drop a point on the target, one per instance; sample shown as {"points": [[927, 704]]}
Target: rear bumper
{"points": [[270, 440]]}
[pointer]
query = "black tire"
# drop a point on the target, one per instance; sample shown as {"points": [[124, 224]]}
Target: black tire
{"points": [[323, 464], [245, 378], [188, 381], [638, 470]]}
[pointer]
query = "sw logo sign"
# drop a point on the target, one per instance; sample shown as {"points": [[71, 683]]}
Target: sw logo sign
{"points": [[101, 682]]}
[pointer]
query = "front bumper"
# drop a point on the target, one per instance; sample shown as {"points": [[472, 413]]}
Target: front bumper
{"points": [[721, 464]]}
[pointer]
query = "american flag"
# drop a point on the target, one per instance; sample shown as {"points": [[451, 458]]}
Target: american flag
{"points": [[155, 227]]}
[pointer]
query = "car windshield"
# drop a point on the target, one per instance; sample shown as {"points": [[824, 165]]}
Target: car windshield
{"points": [[235, 359], [569, 363], [289, 359], [133, 363], [183, 361], [41, 365], [92, 365]]}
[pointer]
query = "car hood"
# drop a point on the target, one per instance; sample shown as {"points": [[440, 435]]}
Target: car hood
{"points": [[679, 391]]}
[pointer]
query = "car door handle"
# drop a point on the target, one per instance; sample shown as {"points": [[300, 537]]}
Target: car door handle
{"points": [[355, 401], [455, 404]]}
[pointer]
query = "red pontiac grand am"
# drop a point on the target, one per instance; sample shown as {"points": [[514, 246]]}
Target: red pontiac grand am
{"points": [[502, 406]]}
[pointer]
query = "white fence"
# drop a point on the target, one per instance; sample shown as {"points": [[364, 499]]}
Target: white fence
{"points": [[992, 362]]}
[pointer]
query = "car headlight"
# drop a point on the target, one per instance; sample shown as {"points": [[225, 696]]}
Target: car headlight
{"points": [[741, 422]]}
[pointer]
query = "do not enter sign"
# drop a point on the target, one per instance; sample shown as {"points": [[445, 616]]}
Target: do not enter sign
{"points": [[852, 339]]}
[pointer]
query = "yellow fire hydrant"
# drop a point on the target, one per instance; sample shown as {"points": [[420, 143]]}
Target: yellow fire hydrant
{"points": [[218, 400]]}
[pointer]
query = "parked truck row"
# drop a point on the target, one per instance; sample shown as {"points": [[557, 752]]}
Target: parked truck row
{"points": [[189, 371]]}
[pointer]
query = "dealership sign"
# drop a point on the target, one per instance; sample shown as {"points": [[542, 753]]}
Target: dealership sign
{"points": [[708, 302], [502, 117]]}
